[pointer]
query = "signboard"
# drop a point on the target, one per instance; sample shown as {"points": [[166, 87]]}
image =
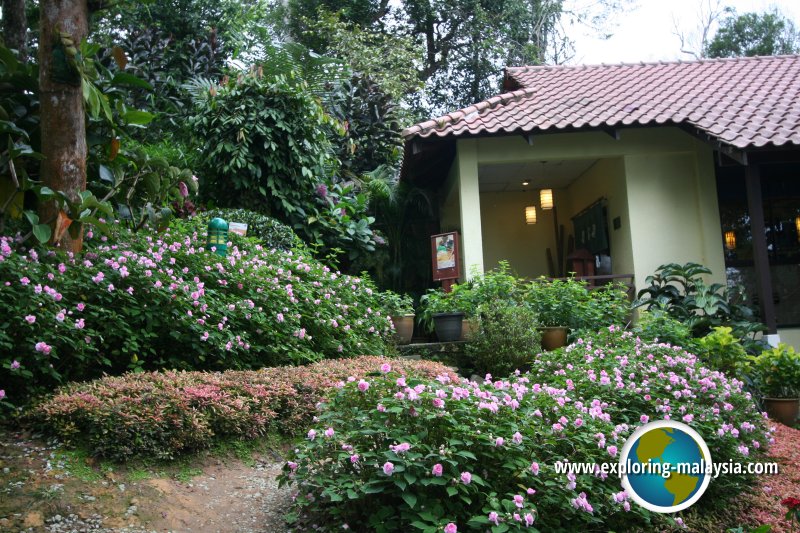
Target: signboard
{"points": [[238, 228], [445, 256]]}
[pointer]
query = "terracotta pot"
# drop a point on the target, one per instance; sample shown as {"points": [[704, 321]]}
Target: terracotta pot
{"points": [[783, 410], [448, 326], [403, 328], [469, 327], [553, 337]]}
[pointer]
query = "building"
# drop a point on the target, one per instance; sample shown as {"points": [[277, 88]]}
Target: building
{"points": [[648, 164]]}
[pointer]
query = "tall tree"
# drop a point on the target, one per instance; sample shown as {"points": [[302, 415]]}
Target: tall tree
{"points": [[15, 27], [63, 25], [754, 34]]}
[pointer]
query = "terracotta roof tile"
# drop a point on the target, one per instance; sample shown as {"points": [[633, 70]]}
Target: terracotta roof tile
{"points": [[743, 102]]}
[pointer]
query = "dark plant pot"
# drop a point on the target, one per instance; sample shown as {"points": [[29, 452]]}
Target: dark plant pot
{"points": [[553, 337], [783, 410], [469, 327], [448, 326], [403, 328]]}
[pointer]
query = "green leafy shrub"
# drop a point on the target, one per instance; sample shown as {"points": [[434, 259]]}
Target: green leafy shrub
{"points": [[160, 414], [776, 372], [142, 301], [508, 339], [472, 451], [265, 147], [272, 233], [681, 291], [658, 326], [722, 351], [394, 304]]}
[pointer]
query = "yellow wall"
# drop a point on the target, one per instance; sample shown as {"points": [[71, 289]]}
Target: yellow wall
{"points": [[506, 236], [790, 336], [606, 178], [470, 208]]}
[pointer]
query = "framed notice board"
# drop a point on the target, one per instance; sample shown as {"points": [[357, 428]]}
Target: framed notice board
{"points": [[445, 256]]}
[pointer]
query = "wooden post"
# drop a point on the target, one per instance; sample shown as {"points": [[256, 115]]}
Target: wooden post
{"points": [[755, 208]]}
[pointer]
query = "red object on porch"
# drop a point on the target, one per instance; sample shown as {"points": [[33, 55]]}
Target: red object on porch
{"points": [[581, 262]]}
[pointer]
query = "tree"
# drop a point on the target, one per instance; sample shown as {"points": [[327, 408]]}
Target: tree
{"points": [[695, 43], [63, 25], [754, 34], [15, 27]]}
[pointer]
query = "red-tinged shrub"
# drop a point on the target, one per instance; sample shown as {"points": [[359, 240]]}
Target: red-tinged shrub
{"points": [[159, 414]]}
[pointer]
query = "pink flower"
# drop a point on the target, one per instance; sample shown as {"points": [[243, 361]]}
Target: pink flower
{"points": [[354, 458], [280, 317], [43, 348], [437, 470], [363, 385], [644, 419], [388, 468], [2, 394], [14, 364], [535, 469], [60, 317], [30, 319], [499, 441], [529, 519], [81, 306], [24, 281], [466, 478], [79, 324], [312, 434], [183, 189], [386, 368], [329, 432], [292, 465], [530, 491], [400, 448], [519, 501], [494, 518], [450, 528], [612, 451], [381, 408]]}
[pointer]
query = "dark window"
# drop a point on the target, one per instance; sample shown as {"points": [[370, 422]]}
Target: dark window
{"points": [[780, 186]]}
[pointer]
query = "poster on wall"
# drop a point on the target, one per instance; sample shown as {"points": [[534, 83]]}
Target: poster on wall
{"points": [[444, 252]]}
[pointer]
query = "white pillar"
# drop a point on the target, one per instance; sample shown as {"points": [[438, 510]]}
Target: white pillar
{"points": [[470, 207]]}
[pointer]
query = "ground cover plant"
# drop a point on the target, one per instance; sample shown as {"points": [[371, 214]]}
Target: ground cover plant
{"points": [[142, 301], [482, 455], [160, 414]]}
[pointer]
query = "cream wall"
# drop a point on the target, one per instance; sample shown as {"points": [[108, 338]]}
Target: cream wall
{"points": [[606, 178], [669, 197], [790, 336]]}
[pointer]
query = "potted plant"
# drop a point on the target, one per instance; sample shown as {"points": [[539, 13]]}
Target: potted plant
{"points": [[400, 310], [555, 302], [466, 300], [440, 310], [776, 373]]}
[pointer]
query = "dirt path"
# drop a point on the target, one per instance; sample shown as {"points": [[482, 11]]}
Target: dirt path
{"points": [[47, 489]]}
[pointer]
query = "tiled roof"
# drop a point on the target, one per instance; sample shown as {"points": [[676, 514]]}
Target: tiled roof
{"points": [[743, 102]]}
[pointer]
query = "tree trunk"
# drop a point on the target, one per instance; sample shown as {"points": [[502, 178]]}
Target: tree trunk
{"points": [[15, 27], [63, 126]]}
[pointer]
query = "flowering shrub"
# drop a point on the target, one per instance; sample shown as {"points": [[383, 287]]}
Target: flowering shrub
{"points": [[162, 301], [159, 414], [431, 454]]}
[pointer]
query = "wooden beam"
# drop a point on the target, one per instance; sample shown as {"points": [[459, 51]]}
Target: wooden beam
{"points": [[612, 132], [755, 208]]}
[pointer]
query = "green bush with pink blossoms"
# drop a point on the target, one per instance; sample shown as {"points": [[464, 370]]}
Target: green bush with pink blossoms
{"points": [[150, 301], [397, 454]]}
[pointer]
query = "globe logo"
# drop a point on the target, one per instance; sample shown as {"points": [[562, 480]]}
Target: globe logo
{"points": [[665, 466]]}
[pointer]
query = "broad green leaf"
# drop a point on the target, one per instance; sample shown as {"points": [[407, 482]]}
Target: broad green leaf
{"points": [[42, 232], [409, 498], [124, 78], [140, 118]]}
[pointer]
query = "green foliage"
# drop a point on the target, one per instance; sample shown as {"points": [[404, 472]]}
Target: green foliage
{"points": [[468, 449], [722, 351], [508, 339], [270, 232], [394, 304], [158, 415], [266, 148], [681, 291], [754, 34], [658, 326], [776, 372], [570, 303], [126, 303]]}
